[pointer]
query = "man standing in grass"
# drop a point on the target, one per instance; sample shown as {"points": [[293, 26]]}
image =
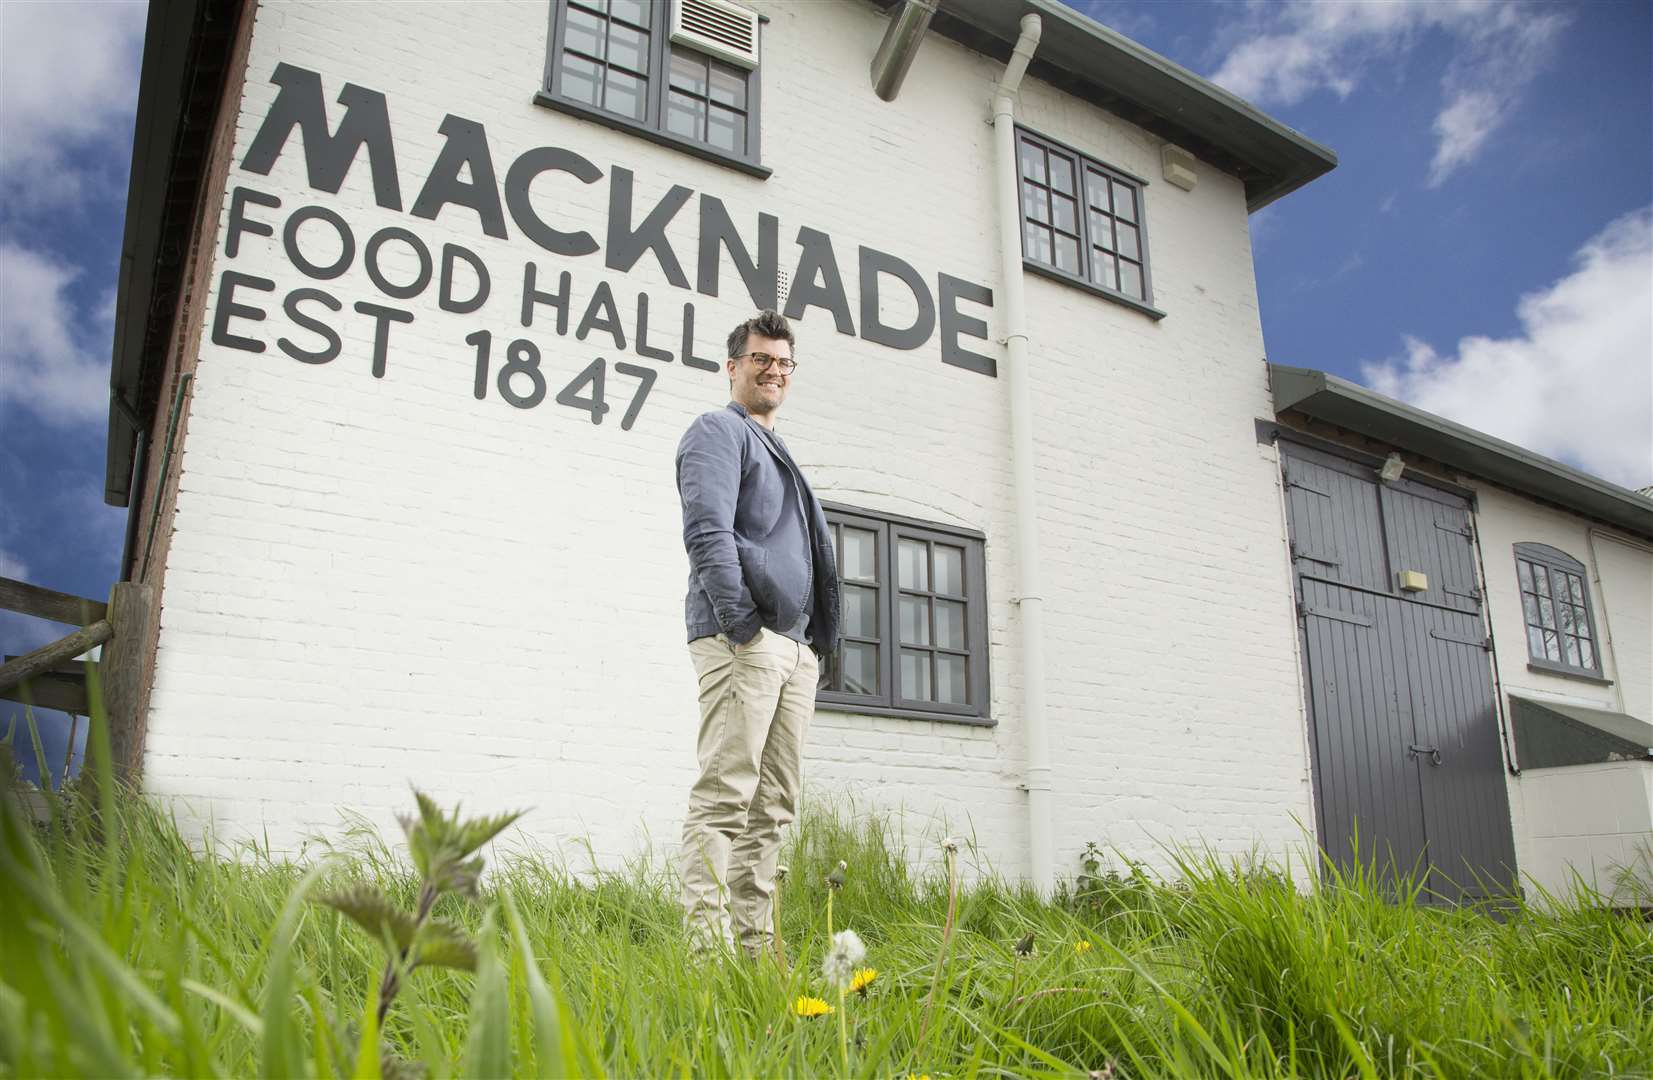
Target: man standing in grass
{"points": [[762, 608]]}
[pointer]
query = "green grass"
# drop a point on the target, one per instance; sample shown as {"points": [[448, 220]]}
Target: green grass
{"points": [[126, 953]]}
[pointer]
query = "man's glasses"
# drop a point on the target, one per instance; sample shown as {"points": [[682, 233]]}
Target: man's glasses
{"points": [[763, 360]]}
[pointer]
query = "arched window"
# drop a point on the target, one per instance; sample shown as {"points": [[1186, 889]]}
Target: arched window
{"points": [[1555, 602]]}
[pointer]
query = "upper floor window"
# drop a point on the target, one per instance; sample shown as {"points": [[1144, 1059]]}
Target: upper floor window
{"points": [[1555, 601], [679, 72], [1082, 221], [914, 630]]}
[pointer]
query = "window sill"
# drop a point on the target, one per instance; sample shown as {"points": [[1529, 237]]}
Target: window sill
{"points": [[836, 703], [1080, 283], [1567, 673], [663, 138]]}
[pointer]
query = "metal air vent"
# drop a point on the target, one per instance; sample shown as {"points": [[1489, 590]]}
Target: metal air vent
{"points": [[727, 31]]}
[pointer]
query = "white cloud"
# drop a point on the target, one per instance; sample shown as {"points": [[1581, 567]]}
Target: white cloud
{"points": [[1577, 383], [1286, 53], [45, 362], [45, 116]]}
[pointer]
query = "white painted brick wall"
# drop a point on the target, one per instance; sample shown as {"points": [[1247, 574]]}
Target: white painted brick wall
{"points": [[384, 582]]}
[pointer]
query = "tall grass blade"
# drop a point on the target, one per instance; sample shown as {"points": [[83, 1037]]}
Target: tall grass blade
{"points": [[281, 1035], [488, 1050]]}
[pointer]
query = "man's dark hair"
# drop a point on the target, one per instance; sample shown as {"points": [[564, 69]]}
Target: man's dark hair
{"points": [[769, 324]]}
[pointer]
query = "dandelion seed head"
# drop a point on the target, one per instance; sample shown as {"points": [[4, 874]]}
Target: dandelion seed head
{"points": [[781, 870], [951, 845], [839, 963]]}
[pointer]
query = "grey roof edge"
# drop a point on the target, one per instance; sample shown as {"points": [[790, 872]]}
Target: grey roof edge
{"points": [[1638, 733], [1122, 75], [1324, 396]]}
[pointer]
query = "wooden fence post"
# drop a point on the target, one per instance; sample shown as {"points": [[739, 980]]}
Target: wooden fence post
{"points": [[122, 674]]}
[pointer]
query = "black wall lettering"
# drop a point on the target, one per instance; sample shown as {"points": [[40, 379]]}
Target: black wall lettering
{"points": [[689, 358], [239, 223], [382, 318], [818, 261], [557, 300], [517, 181], [626, 245], [315, 326], [347, 242], [467, 145], [452, 253], [602, 303], [228, 309], [717, 230], [643, 346], [370, 262], [875, 263], [951, 290], [327, 158]]}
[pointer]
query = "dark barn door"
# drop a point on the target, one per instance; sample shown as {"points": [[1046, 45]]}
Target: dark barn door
{"points": [[1409, 776]]}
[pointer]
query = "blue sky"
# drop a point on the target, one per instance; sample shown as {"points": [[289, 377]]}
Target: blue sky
{"points": [[1484, 250]]}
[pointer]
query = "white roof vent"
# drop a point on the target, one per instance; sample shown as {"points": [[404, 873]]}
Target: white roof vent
{"points": [[725, 30]]}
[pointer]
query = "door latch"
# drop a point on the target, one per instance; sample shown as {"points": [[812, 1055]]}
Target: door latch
{"points": [[1434, 754]]}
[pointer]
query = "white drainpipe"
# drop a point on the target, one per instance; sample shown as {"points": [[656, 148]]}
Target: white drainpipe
{"points": [[1041, 847]]}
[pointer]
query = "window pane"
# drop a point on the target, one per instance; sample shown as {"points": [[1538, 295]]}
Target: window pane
{"points": [[915, 620], [1124, 202], [1064, 214], [628, 48], [915, 675], [1572, 648], [726, 130], [1035, 203], [584, 33], [581, 79], [951, 686], [860, 668], [729, 86], [1586, 653], [688, 72], [1061, 174], [1096, 189], [1535, 641], [1130, 279], [950, 624], [624, 94], [914, 560], [1541, 578], [1581, 623], [1552, 647], [1523, 569], [1102, 269], [1565, 611], [1575, 589], [1529, 608], [1033, 162], [685, 116], [949, 570], [1127, 245], [860, 551], [1038, 243], [860, 611], [633, 11], [1067, 253], [1102, 230], [1546, 612]]}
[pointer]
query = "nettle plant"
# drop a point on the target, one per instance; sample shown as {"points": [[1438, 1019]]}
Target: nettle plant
{"points": [[444, 852]]}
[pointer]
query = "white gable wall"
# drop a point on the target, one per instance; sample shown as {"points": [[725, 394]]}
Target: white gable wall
{"points": [[377, 582]]}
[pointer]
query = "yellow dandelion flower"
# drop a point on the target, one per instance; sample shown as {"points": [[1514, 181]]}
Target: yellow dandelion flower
{"points": [[863, 980], [1081, 947], [811, 1007]]}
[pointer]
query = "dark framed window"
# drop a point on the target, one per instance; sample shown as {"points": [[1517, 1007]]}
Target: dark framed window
{"points": [[914, 639], [1083, 222], [1555, 604], [613, 61]]}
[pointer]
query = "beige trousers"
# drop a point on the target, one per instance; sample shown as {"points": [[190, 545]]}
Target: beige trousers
{"points": [[756, 702]]}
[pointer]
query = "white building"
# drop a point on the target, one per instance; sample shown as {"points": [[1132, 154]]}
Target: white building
{"points": [[417, 300]]}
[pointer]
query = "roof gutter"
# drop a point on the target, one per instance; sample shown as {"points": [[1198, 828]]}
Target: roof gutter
{"points": [[902, 37], [1030, 601]]}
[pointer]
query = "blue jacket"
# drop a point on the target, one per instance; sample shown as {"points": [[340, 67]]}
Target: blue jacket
{"points": [[753, 560]]}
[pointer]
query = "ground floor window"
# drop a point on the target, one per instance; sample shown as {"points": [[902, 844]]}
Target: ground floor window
{"points": [[914, 618]]}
